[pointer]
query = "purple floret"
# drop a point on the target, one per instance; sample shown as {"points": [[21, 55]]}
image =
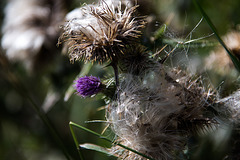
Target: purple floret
{"points": [[88, 85]]}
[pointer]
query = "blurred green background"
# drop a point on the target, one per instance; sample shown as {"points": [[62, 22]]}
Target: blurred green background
{"points": [[24, 136]]}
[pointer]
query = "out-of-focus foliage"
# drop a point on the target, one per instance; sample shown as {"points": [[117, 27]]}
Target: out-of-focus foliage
{"points": [[24, 136]]}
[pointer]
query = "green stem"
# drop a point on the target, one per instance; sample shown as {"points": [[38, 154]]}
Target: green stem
{"points": [[105, 138], [193, 44], [115, 68], [76, 142], [49, 125]]}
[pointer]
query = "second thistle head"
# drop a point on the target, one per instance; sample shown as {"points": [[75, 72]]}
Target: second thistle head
{"points": [[100, 33], [88, 86]]}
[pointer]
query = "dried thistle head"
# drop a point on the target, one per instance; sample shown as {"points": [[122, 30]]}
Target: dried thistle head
{"points": [[100, 33], [136, 60], [156, 112], [197, 114], [140, 120]]}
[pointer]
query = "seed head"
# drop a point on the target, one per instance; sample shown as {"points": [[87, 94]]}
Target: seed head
{"points": [[155, 113], [100, 33], [88, 86]]}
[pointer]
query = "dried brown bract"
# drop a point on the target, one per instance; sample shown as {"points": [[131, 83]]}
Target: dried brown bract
{"points": [[136, 60], [100, 33]]}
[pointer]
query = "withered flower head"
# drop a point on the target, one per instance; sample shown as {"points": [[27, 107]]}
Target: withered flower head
{"points": [[136, 60], [156, 113], [100, 33]]}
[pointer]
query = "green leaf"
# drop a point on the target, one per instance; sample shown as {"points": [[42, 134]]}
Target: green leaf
{"points": [[96, 148], [160, 32], [76, 142], [194, 43], [109, 140]]}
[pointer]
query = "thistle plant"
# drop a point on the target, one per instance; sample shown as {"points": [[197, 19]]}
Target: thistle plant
{"points": [[156, 108], [155, 111]]}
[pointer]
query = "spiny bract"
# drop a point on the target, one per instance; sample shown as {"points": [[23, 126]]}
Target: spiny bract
{"points": [[100, 33]]}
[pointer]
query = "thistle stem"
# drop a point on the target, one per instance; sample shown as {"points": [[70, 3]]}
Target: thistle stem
{"points": [[116, 74], [105, 138], [115, 68], [76, 142]]}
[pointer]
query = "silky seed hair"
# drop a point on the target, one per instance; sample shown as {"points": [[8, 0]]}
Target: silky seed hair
{"points": [[100, 33], [156, 112], [230, 107], [124, 3], [139, 119], [197, 116], [229, 112]]}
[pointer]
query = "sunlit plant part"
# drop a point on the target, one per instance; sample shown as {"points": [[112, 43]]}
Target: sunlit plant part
{"points": [[156, 112], [100, 33]]}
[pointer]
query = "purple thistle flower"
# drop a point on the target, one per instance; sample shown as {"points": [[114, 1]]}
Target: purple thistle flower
{"points": [[88, 85]]}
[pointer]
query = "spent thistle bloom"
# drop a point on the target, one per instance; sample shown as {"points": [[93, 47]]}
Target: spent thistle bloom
{"points": [[100, 33], [136, 60], [88, 86], [156, 112]]}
